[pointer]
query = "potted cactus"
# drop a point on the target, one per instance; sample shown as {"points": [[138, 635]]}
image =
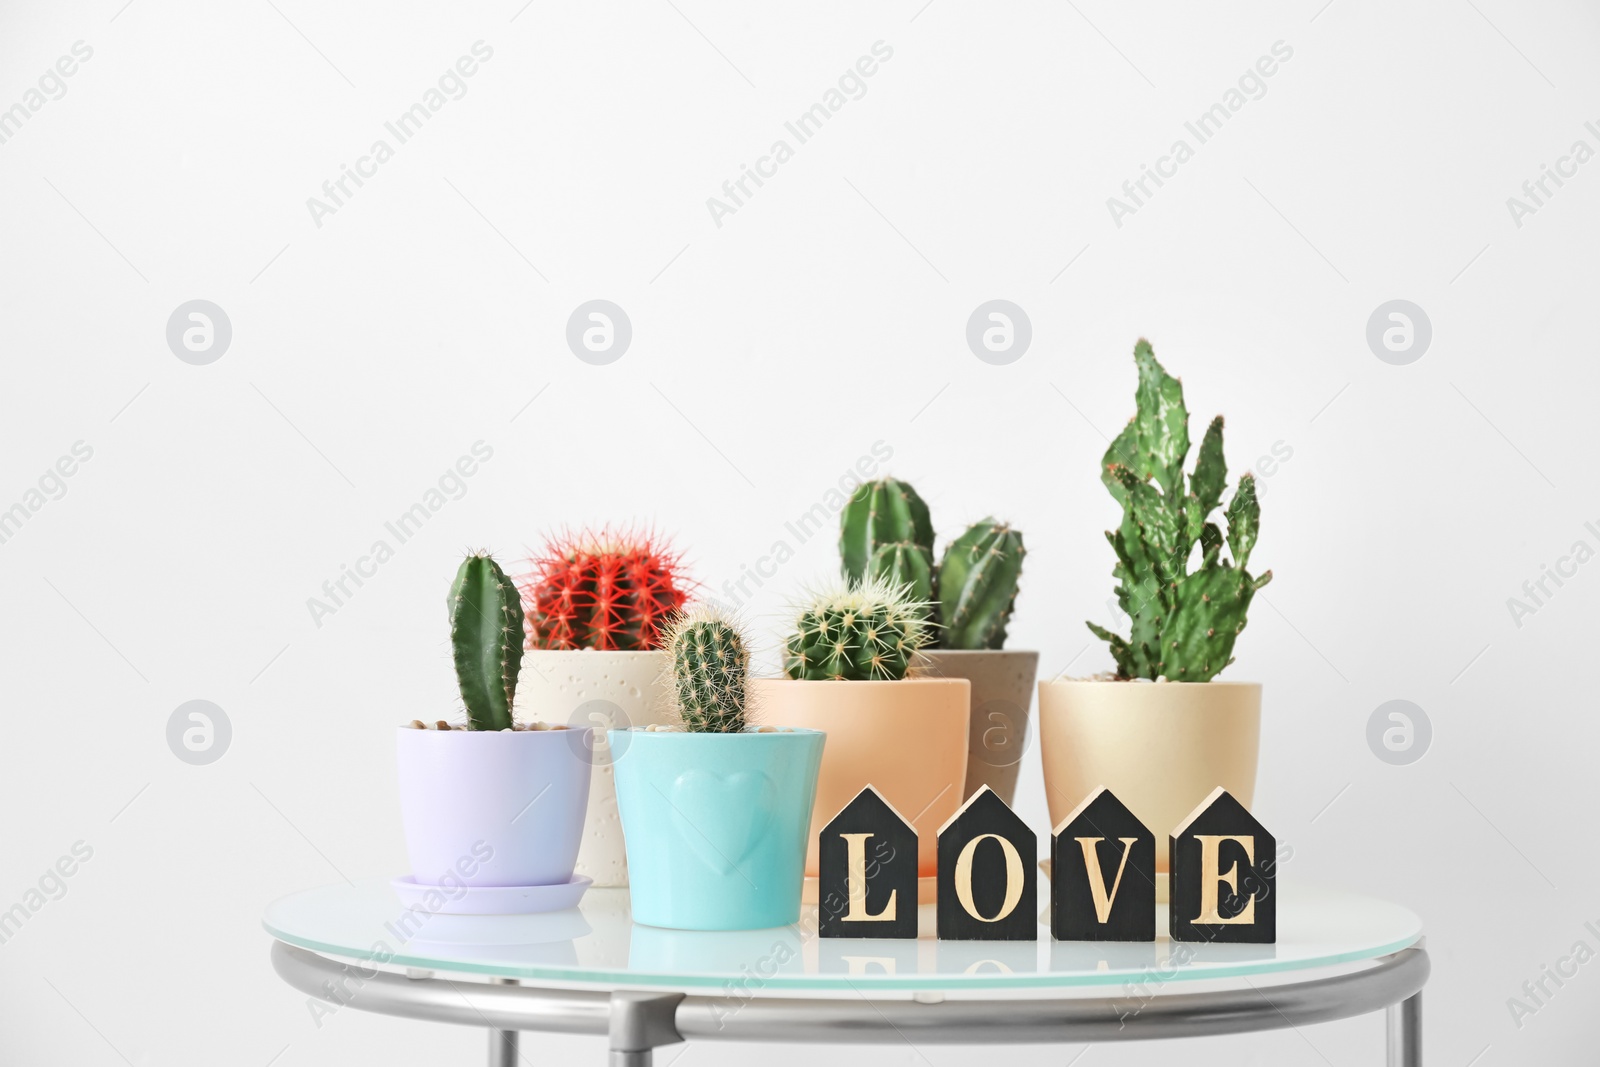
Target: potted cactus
{"points": [[488, 802], [885, 532], [1161, 732], [598, 604], [716, 812], [848, 666]]}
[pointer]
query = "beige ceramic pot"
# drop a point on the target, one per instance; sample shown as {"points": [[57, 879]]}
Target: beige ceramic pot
{"points": [[907, 738], [607, 691], [1002, 694], [1161, 747]]}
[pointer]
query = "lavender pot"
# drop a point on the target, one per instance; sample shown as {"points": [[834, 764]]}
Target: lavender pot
{"points": [[493, 807]]}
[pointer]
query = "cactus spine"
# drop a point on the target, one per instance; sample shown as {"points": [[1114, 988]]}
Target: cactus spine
{"points": [[1184, 623], [866, 631], [486, 640], [710, 665], [978, 580]]}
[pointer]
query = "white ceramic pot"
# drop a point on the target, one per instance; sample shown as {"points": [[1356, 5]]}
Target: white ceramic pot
{"points": [[606, 691], [1161, 747]]}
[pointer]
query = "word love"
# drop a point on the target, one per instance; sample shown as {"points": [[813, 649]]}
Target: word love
{"points": [[1103, 881]]}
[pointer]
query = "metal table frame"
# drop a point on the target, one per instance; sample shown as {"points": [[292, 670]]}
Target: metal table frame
{"points": [[637, 1022]]}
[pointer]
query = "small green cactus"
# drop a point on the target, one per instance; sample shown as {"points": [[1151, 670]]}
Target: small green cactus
{"points": [[857, 631], [881, 512], [710, 665], [486, 640], [978, 580], [1184, 622]]}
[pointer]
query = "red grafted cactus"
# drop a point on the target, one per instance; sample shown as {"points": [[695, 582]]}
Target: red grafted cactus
{"points": [[607, 590]]}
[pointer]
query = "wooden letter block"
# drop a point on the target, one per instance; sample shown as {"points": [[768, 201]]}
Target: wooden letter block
{"points": [[867, 871], [988, 884], [1102, 874], [1223, 876]]}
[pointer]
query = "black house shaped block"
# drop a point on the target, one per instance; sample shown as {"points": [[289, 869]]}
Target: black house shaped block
{"points": [[867, 871], [1102, 873], [988, 881], [1224, 885]]}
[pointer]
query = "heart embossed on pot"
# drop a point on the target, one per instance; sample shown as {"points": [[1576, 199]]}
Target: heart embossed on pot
{"points": [[721, 816]]}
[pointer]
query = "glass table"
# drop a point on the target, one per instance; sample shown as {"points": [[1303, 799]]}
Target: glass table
{"points": [[592, 970]]}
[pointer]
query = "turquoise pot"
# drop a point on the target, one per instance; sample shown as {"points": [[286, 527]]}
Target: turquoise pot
{"points": [[715, 825]]}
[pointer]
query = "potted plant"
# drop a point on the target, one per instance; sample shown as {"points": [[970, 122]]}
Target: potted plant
{"points": [[598, 604], [885, 532], [847, 666], [489, 803], [1162, 733], [715, 812]]}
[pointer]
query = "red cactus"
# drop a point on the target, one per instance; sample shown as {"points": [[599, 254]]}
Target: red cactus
{"points": [[612, 590]]}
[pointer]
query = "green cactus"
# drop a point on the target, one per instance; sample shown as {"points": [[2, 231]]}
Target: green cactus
{"points": [[878, 513], [857, 631], [486, 640], [978, 580], [709, 668], [907, 564], [1184, 622]]}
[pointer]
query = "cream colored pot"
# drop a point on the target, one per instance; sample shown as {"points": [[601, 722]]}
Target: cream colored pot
{"points": [[605, 690], [908, 738], [1161, 747]]}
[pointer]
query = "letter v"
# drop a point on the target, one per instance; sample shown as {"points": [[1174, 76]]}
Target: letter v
{"points": [[1097, 878]]}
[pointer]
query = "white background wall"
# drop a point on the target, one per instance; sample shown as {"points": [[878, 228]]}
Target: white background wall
{"points": [[768, 354]]}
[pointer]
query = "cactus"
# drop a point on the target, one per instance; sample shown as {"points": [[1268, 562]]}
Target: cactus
{"points": [[710, 665], [486, 640], [885, 533], [857, 631], [1184, 622], [978, 585], [907, 564], [608, 590], [881, 512]]}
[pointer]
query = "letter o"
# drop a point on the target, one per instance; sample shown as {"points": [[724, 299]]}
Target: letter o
{"points": [[1014, 878]]}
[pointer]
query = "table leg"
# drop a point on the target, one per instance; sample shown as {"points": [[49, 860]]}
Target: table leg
{"points": [[1405, 1032], [502, 1048], [639, 1023], [503, 1043]]}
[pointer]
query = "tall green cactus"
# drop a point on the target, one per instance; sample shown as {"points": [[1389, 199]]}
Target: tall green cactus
{"points": [[978, 580], [885, 533], [1184, 622], [486, 640], [858, 631], [881, 512], [710, 668]]}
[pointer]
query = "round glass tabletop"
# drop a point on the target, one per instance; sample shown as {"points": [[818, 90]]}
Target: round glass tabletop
{"points": [[597, 943]]}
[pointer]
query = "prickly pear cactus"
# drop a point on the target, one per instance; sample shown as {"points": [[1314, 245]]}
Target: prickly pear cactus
{"points": [[858, 631], [881, 512], [1184, 622], [710, 665], [978, 580], [486, 640]]}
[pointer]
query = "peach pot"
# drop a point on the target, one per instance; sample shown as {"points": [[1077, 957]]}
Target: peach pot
{"points": [[1161, 747], [907, 738]]}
